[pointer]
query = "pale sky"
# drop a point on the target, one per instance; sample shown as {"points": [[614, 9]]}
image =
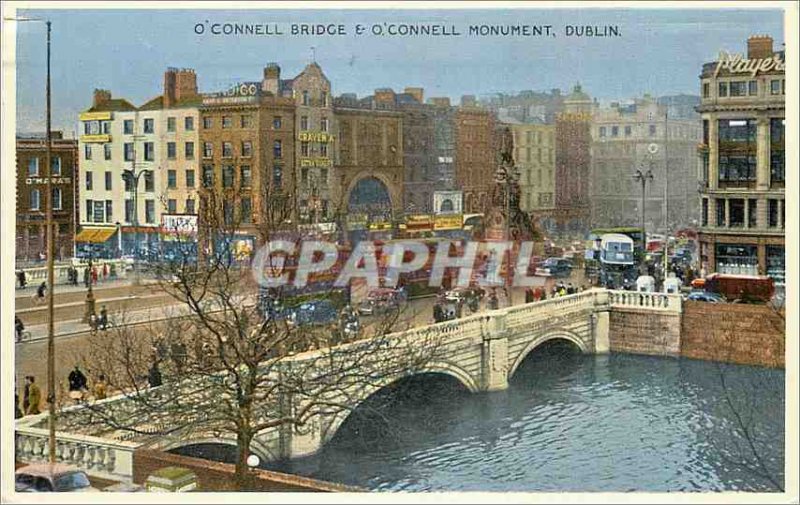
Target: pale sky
{"points": [[127, 51]]}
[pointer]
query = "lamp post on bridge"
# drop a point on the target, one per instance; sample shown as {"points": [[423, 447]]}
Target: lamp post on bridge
{"points": [[643, 176]]}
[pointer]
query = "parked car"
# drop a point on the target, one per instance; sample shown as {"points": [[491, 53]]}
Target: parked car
{"points": [[555, 267], [379, 301], [705, 296], [51, 477]]}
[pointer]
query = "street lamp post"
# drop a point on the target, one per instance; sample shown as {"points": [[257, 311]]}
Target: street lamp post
{"points": [[51, 376], [130, 174], [643, 176]]}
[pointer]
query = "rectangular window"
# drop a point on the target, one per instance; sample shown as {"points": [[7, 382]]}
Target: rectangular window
{"points": [[149, 125], [247, 210], [323, 150], [706, 90], [628, 131], [172, 151], [324, 98], [149, 185], [108, 181], [107, 151], [705, 131], [720, 212], [188, 150], [304, 122], [128, 182], [704, 221], [602, 131], [323, 124], [35, 199], [190, 178], [752, 213], [772, 216], [127, 127], [172, 206], [87, 152], [149, 151], [128, 210], [208, 123], [170, 124], [247, 149], [652, 130], [208, 176], [276, 123], [738, 88], [227, 176], [304, 148], [188, 124], [247, 121], [226, 122], [172, 179], [109, 211], [736, 212], [615, 131], [277, 177], [777, 155], [227, 212], [99, 211], [306, 98], [55, 166], [775, 87], [189, 209], [149, 211], [208, 150], [752, 88], [89, 181], [277, 149], [33, 167], [304, 175], [128, 151], [323, 175], [227, 149], [89, 210], [245, 176], [723, 89]]}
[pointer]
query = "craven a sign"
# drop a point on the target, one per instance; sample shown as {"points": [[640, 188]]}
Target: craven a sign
{"points": [[738, 64]]}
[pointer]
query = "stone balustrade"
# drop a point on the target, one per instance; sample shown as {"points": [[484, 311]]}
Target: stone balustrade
{"points": [[98, 457], [645, 300], [38, 274]]}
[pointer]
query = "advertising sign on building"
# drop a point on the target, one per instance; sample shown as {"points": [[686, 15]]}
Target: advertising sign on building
{"points": [[179, 224], [447, 202], [448, 222]]}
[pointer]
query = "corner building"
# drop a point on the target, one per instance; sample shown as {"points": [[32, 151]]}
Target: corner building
{"points": [[742, 162]]}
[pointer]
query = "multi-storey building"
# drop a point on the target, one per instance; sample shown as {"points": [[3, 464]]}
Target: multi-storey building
{"points": [[475, 162], [247, 158], [642, 135], [444, 140], [742, 161], [573, 157], [32, 174], [534, 157]]}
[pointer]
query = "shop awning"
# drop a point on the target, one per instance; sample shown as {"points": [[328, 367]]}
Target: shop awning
{"points": [[95, 235]]}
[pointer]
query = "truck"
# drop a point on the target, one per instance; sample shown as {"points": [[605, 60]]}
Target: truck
{"points": [[742, 288]]}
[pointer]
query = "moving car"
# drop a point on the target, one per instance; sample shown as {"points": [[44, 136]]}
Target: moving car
{"points": [[51, 477], [555, 267], [704, 296]]}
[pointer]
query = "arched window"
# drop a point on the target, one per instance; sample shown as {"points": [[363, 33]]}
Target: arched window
{"points": [[447, 206]]}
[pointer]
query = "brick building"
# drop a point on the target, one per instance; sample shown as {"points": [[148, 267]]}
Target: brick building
{"points": [[475, 161], [573, 159], [247, 158], [31, 242]]}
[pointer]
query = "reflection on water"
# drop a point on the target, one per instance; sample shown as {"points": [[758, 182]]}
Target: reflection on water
{"points": [[568, 422]]}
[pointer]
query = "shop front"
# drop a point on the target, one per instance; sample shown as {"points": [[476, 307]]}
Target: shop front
{"points": [[97, 242]]}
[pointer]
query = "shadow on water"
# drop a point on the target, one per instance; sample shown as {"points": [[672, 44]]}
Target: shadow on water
{"points": [[549, 364]]}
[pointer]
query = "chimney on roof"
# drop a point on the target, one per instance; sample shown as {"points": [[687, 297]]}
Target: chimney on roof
{"points": [[272, 79], [179, 84], [417, 93], [101, 96], [759, 46]]}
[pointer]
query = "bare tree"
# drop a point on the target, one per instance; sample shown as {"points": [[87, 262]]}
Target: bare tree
{"points": [[229, 366]]}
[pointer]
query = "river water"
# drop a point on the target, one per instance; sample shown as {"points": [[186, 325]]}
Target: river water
{"points": [[568, 422]]}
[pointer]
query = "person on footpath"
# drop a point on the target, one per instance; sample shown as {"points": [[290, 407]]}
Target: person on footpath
{"points": [[34, 397]]}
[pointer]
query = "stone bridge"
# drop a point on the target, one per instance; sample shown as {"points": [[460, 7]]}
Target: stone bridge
{"points": [[482, 352]]}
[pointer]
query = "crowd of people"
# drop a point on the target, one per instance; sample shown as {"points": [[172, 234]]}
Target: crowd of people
{"points": [[78, 390], [93, 275]]}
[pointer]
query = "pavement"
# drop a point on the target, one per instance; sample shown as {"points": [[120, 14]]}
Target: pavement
{"points": [[30, 289]]}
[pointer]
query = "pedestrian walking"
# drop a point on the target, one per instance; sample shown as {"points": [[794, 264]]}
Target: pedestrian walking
{"points": [[34, 397], [77, 383], [103, 318], [17, 412], [100, 388], [94, 276], [86, 276], [105, 270], [154, 376], [19, 327], [22, 279]]}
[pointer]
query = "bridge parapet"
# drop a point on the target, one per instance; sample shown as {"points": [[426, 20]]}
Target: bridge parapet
{"points": [[640, 300]]}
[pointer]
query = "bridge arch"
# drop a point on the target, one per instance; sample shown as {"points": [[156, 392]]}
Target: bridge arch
{"points": [[441, 368], [567, 335]]}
